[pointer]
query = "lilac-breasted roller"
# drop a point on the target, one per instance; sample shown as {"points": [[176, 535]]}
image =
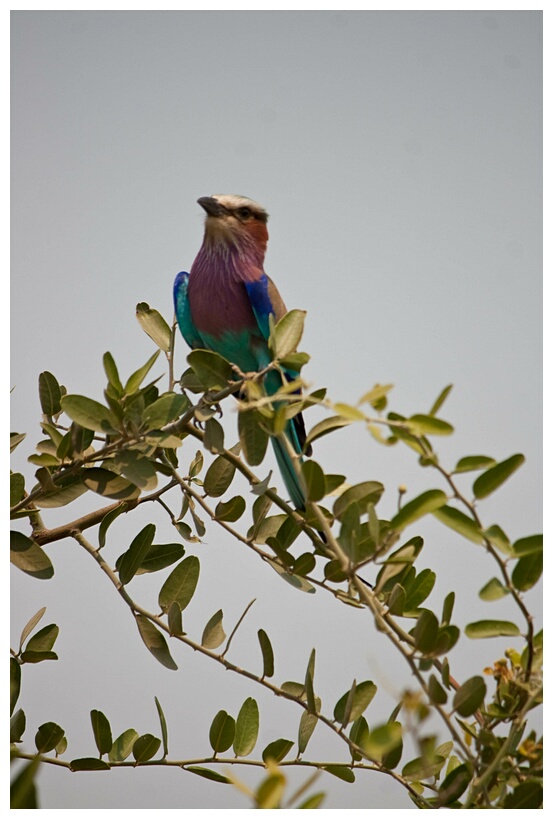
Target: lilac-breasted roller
{"points": [[224, 305]]}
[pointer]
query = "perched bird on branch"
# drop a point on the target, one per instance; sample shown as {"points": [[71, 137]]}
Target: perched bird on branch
{"points": [[224, 305]]}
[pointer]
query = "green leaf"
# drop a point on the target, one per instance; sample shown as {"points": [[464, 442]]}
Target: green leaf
{"points": [[107, 520], [213, 371], [232, 510], [110, 369], [38, 656], [493, 590], [160, 556], [168, 407], [163, 726], [421, 425], [15, 683], [324, 428], [527, 571], [304, 564], [29, 557], [22, 787], [247, 728], [89, 414], [385, 740], [102, 731], [340, 771], [314, 479], [528, 545], [109, 484], [48, 736], [459, 522], [44, 639], [447, 609], [17, 725], [294, 580], [362, 494], [135, 380], [437, 693], [359, 733], [491, 628], [425, 633], [154, 325], [308, 723], [207, 773], [185, 531], [219, 477], [473, 463], [492, 478], [155, 642], [498, 538], [35, 619], [214, 436], [422, 505], [349, 412], [362, 697], [277, 750], [419, 589], [253, 438], [455, 784], [527, 795], [132, 559], [181, 584], [145, 747], [470, 696], [49, 394], [16, 438], [222, 731], [123, 745], [267, 652], [287, 334], [17, 488], [174, 619], [423, 767], [312, 802], [89, 763], [71, 489], [295, 361], [440, 399], [214, 633]]}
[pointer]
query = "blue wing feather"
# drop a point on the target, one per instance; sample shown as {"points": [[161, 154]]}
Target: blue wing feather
{"points": [[182, 311], [260, 300]]}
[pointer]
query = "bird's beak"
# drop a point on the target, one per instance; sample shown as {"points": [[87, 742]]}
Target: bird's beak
{"points": [[211, 206]]}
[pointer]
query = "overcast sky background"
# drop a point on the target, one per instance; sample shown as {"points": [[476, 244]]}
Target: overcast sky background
{"points": [[399, 156]]}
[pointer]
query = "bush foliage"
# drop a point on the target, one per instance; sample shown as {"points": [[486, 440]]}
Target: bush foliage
{"points": [[167, 449]]}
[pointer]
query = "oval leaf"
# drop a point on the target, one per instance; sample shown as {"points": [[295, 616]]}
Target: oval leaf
{"points": [[287, 333], [222, 731], [145, 747], [155, 642], [214, 633], [247, 728], [491, 628], [181, 584], [108, 484], [492, 478], [29, 557], [132, 559], [154, 325], [89, 414], [470, 696], [422, 505], [362, 697]]}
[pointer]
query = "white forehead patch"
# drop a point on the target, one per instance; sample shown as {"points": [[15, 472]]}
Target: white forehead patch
{"points": [[234, 200]]}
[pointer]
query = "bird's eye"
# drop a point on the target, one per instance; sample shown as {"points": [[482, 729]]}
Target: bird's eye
{"points": [[244, 213]]}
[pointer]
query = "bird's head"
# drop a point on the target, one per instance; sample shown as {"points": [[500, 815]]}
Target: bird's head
{"points": [[233, 220]]}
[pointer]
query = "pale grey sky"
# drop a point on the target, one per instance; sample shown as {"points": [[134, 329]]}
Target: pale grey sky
{"points": [[399, 155]]}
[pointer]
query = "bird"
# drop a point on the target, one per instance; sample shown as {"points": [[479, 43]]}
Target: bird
{"points": [[224, 304]]}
